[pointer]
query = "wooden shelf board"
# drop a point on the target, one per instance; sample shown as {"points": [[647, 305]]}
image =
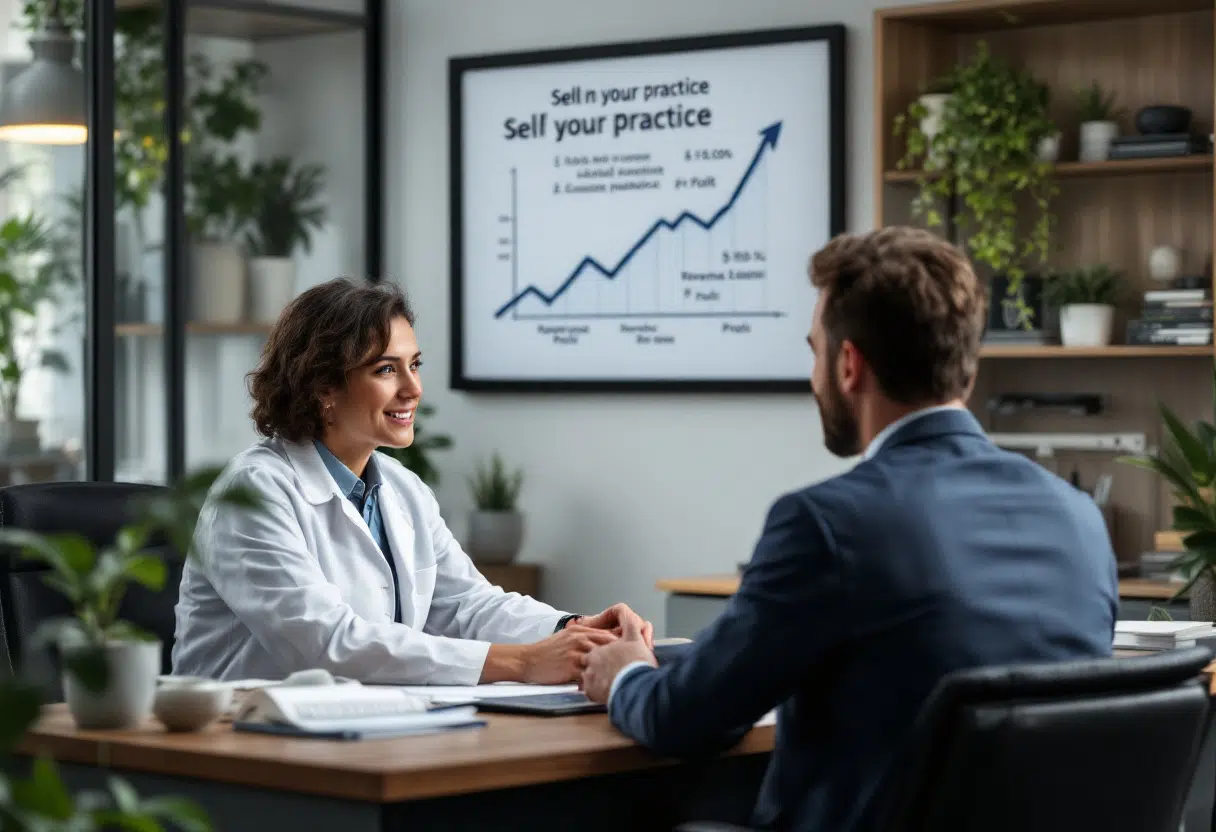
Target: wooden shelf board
{"points": [[257, 19], [244, 328], [993, 15], [1079, 170], [1113, 351]]}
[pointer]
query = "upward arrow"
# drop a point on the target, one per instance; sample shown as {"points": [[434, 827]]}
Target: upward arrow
{"points": [[768, 140]]}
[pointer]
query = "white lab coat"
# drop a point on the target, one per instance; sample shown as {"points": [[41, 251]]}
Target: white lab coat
{"points": [[302, 584]]}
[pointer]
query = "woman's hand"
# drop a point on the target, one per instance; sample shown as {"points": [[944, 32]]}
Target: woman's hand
{"points": [[556, 660], [613, 619]]}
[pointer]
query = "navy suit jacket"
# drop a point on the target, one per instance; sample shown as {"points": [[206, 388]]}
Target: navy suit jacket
{"points": [[939, 552]]}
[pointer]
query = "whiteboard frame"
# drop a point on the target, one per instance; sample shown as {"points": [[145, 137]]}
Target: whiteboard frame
{"points": [[831, 34]]}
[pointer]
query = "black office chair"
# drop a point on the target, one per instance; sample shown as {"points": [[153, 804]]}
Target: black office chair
{"points": [[95, 510], [1107, 744]]}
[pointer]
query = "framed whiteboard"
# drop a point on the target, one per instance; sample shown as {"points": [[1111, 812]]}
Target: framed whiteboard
{"points": [[639, 216]]}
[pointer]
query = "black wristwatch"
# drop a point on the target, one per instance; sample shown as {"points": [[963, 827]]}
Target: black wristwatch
{"points": [[564, 620]]}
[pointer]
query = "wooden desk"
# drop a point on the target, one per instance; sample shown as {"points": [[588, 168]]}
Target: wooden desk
{"points": [[532, 770], [692, 603]]}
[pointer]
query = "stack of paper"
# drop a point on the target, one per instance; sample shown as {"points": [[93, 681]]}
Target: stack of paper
{"points": [[1161, 635]]}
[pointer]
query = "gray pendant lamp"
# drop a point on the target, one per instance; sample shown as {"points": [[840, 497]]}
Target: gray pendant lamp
{"points": [[45, 102]]}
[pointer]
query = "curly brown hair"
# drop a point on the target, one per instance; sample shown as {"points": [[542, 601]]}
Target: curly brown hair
{"points": [[911, 304], [322, 335]]}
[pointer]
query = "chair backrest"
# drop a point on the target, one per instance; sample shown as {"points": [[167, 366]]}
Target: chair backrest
{"points": [[1109, 744], [95, 510]]}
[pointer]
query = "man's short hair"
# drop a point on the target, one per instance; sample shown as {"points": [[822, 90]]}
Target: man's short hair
{"points": [[910, 303], [321, 336]]}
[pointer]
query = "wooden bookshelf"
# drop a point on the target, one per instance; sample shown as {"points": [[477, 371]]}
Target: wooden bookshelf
{"points": [[1076, 170], [1112, 212], [1113, 351]]}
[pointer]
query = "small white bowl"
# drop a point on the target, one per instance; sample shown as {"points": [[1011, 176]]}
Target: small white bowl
{"points": [[191, 705]]}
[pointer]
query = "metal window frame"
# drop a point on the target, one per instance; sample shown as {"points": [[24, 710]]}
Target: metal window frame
{"points": [[100, 266]]}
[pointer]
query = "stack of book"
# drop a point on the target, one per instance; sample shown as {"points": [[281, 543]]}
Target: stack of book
{"points": [[1173, 317], [1158, 145], [1161, 635]]}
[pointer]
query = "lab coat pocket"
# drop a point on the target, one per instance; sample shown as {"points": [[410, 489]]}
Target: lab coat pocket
{"points": [[424, 590]]}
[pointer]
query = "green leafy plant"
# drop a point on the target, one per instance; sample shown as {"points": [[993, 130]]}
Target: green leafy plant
{"points": [[1187, 462], [219, 196], [1095, 104], [494, 489], [417, 456], [94, 581], [30, 276], [283, 207], [1093, 284], [985, 155]]}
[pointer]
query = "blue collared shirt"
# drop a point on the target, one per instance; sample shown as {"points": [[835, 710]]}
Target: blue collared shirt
{"points": [[365, 498]]}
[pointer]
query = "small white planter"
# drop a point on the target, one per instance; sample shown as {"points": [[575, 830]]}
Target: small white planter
{"points": [[272, 285], [1049, 148], [1096, 137], [495, 536], [130, 690], [1086, 324], [935, 105], [217, 282]]}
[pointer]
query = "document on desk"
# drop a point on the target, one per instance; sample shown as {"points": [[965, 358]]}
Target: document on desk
{"points": [[449, 694]]}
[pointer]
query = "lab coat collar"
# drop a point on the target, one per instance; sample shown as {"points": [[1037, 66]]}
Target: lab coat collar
{"points": [[316, 483]]}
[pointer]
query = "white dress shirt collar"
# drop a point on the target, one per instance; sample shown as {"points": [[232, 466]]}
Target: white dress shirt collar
{"points": [[883, 435]]}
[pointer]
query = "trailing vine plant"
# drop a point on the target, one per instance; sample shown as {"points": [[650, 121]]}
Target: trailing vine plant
{"points": [[985, 154]]}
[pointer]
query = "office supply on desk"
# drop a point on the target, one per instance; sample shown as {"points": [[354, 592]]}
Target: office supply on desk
{"points": [[544, 704], [1162, 635], [468, 694], [332, 711]]}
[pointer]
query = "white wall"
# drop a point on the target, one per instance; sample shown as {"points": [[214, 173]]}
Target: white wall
{"points": [[620, 490]]}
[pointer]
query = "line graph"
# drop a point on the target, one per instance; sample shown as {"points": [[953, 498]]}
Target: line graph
{"points": [[589, 265]]}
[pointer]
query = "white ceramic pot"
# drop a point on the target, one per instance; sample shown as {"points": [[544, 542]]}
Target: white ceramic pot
{"points": [[217, 282], [19, 437], [130, 690], [272, 285], [1096, 137], [934, 104], [495, 536], [1164, 263], [1086, 324], [1049, 148]]}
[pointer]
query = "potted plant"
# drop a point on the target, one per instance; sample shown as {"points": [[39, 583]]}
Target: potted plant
{"points": [[283, 211], [934, 100], [417, 456], [1086, 299], [496, 528], [1096, 109], [985, 155], [1187, 462], [110, 667], [31, 276], [219, 192], [38, 799]]}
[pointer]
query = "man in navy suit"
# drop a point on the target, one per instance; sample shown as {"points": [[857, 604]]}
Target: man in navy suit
{"points": [[938, 551]]}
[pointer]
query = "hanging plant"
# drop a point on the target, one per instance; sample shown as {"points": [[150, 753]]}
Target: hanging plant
{"points": [[985, 153]]}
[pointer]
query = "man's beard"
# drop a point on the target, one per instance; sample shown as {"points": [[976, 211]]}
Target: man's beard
{"points": [[841, 432]]}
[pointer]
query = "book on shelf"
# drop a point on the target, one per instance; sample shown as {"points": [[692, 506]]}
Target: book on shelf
{"points": [[1168, 540], [1192, 333]]}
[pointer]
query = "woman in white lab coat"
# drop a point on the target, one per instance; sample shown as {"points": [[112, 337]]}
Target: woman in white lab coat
{"points": [[347, 564]]}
